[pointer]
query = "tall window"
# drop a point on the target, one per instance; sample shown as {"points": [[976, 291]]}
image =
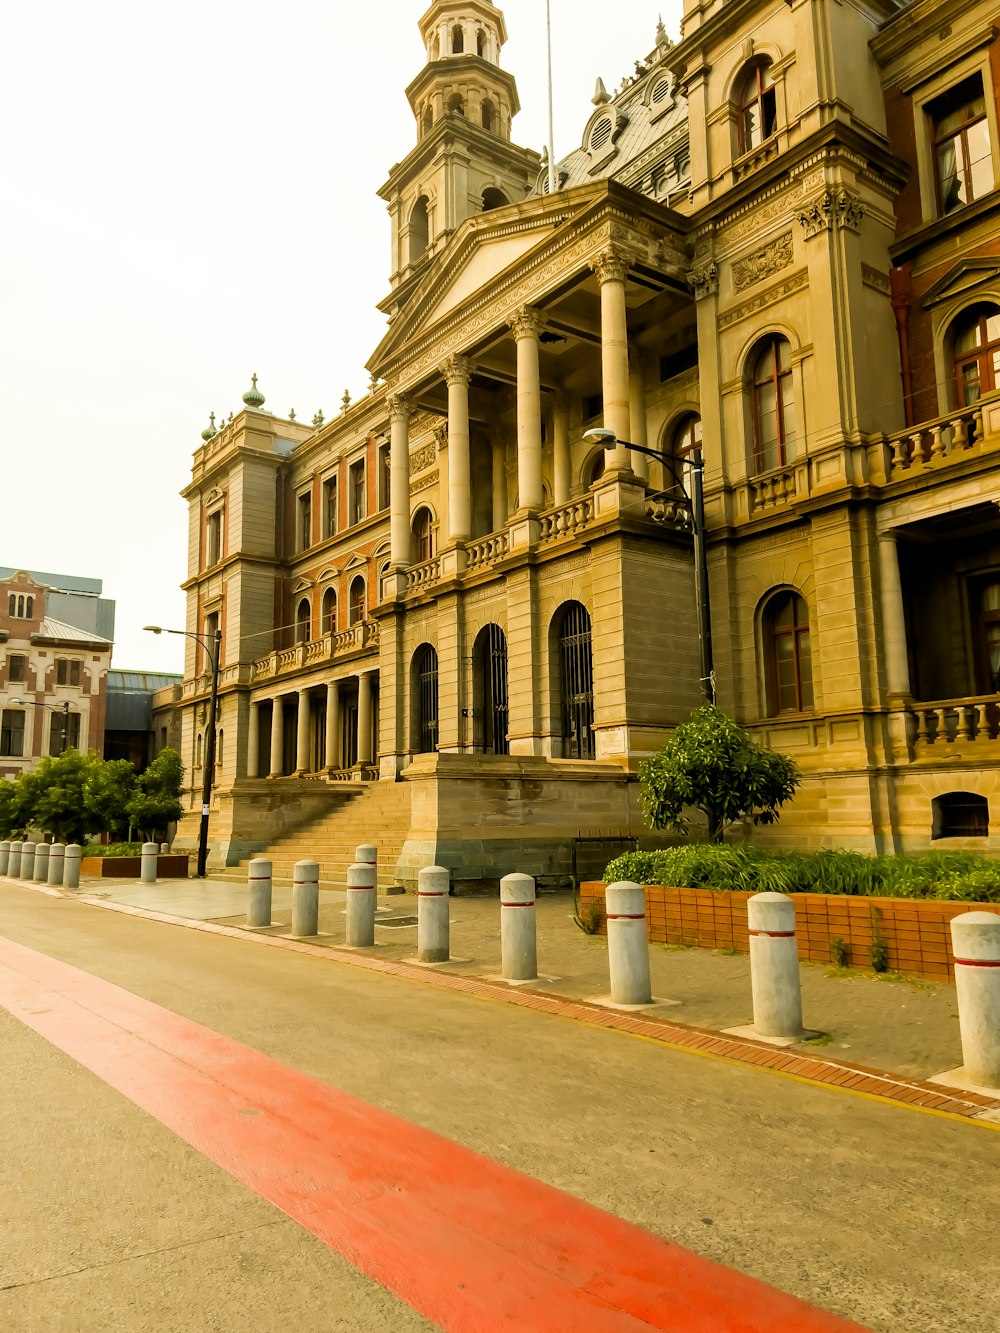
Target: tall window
{"points": [[16, 668], [789, 656], [213, 535], [457, 41], [989, 637], [21, 607], [330, 515], [330, 611], [384, 476], [419, 229], [961, 136], [64, 732], [977, 352], [356, 607], [489, 675], [576, 681], [426, 680], [305, 521], [303, 619], [488, 115], [480, 43], [357, 496], [12, 733], [757, 106], [212, 623], [423, 535], [774, 422], [67, 671]]}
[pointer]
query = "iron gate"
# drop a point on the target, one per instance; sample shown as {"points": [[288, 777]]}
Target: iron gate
{"points": [[490, 715], [577, 681], [427, 700]]}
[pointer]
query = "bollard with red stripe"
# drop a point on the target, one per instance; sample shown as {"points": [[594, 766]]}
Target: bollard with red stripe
{"points": [[362, 892], [774, 966], [518, 942], [260, 883], [433, 923], [628, 943], [305, 899], [975, 942]]}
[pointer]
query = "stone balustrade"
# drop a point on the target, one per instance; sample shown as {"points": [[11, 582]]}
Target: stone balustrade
{"points": [[774, 488], [669, 509], [425, 574], [566, 520], [947, 721], [355, 639], [487, 551], [933, 443]]}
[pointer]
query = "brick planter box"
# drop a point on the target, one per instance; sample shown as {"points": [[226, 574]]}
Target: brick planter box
{"points": [[916, 932], [127, 867]]}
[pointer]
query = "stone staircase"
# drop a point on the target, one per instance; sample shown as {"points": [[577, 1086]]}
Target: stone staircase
{"points": [[378, 814]]}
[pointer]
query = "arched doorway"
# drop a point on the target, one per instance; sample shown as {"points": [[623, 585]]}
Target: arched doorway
{"points": [[576, 681], [490, 706]]}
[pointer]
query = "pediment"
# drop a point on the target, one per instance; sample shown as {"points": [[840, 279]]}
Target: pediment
{"points": [[355, 562], [301, 585], [383, 548], [967, 275], [331, 572]]}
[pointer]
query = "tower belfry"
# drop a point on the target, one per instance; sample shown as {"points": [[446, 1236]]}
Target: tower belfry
{"points": [[464, 162]]}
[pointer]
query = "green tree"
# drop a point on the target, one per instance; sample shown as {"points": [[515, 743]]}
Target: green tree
{"points": [[52, 795], [711, 764], [156, 802], [109, 788], [8, 809]]}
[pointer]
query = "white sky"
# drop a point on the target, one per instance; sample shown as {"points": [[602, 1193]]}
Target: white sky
{"points": [[189, 197]]}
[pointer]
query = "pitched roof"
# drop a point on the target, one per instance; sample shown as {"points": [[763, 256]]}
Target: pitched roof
{"points": [[59, 631]]}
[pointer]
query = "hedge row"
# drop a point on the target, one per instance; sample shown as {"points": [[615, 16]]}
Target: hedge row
{"points": [[952, 876]]}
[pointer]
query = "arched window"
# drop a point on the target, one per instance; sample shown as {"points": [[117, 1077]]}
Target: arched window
{"points": [[457, 40], [12, 605], [687, 435], [419, 229], [428, 119], [330, 611], [757, 107], [595, 468], [423, 535], [303, 620], [494, 199], [773, 391], [788, 656], [976, 343], [20, 607], [356, 607], [425, 673], [456, 104], [960, 814], [481, 44], [489, 678], [489, 116], [30, 611], [576, 681]]}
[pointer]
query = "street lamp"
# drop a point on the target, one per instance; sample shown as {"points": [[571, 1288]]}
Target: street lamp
{"points": [[55, 708], [696, 508], [209, 756]]}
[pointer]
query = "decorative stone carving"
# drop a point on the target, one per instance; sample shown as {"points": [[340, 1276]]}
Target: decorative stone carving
{"points": [[457, 370], [765, 298], [424, 457], [760, 264], [875, 278], [526, 323], [424, 482], [704, 281], [831, 208], [441, 436], [610, 267]]}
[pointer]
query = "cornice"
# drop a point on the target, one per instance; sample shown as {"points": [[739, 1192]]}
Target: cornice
{"points": [[449, 129]]}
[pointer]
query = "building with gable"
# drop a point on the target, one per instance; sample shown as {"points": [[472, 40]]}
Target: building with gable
{"points": [[454, 623]]}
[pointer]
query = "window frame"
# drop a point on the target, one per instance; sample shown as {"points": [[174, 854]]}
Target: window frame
{"points": [[22, 668], [353, 603], [357, 492], [768, 345], [303, 520], [8, 732], [937, 141], [938, 86], [214, 540], [805, 698], [331, 506], [987, 355], [750, 78]]}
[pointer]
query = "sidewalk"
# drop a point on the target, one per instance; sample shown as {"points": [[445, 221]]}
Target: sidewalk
{"points": [[908, 1028]]}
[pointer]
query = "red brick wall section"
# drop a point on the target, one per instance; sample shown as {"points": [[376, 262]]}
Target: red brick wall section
{"points": [[916, 932]]}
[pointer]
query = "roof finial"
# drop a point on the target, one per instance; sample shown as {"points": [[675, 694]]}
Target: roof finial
{"points": [[345, 402], [253, 396], [601, 95], [318, 418], [209, 433]]}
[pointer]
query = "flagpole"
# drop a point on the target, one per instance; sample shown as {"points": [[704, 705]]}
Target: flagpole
{"points": [[552, 137]]}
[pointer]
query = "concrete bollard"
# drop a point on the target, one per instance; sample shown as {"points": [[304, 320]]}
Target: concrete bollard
{"points": [[4, 856], [975, 942], [433, 915], [28, 861], [518, 942], [41, 863], [305, 898], [774, 966], [628, 943], [56, 863], [362, 878], [259, 880], [14, 864], [164, 848], [147, 862], [71, 866]]}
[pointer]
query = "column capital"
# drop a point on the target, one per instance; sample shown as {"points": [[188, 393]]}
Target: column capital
{"points": [[888, 535], [527, 322], [399, 407], [610, 266], [457, 370]]}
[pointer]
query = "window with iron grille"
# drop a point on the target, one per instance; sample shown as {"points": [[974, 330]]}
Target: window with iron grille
{"points": [[490, 705], [427, 699], [576, 679]]}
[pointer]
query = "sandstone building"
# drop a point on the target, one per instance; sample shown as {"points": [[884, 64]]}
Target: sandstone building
{"points": [[451, 618]]}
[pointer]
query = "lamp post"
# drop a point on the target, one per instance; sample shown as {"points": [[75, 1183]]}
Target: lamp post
{"points": [[55, 708], [696, 508], [209, 756]]}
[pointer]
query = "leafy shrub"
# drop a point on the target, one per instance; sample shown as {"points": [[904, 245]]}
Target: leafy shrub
{"points": [[948, 876], [112, 849]]}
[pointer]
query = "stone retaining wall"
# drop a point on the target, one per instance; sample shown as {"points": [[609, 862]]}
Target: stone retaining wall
{"points": [[916, 932]]}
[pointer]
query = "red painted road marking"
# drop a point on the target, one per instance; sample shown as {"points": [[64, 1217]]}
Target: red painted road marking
{"points": [[470, 1244]]}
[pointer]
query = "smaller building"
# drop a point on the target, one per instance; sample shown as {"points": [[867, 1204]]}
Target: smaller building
{"points": [[56, 634], [139, 720]]}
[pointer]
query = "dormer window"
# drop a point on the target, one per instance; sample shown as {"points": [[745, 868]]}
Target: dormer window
{"points": [[20, 607], [600, 135], [757, 107]]}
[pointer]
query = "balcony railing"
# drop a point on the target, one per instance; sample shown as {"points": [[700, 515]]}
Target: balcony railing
{"points": [[356, 639], [487, 551], [566, 520], [946, 722], [423, 575], [933, 443], [669, 509]]}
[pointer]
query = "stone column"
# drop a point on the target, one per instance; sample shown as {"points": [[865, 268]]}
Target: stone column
{"points": [[399, 480], [457, 372], [253, 741], [526, 327], [365, 717], [499, 485], [638, 433], [302, 735], [897, 667], [611, 269], [277, 737], [333, 724], [561, 461]]}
